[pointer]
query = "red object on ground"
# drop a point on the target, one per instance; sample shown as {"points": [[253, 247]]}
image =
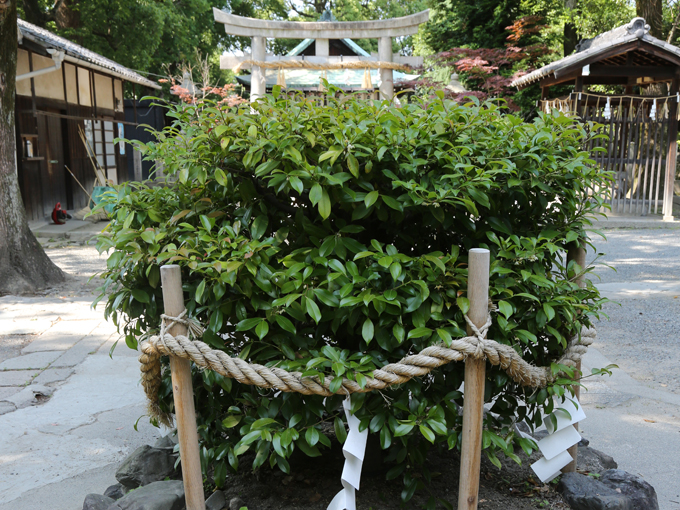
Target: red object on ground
{"points": [[58, 214]]}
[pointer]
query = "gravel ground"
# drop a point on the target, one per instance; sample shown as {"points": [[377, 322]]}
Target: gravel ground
{"points": [[80, 263], [638, 255], [641, 334]]}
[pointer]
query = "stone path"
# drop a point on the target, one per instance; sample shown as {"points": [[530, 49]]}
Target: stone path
{"points": [[67, 408]]}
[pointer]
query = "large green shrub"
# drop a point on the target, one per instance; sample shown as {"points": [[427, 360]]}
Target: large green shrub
{"points": [[333, 240]]}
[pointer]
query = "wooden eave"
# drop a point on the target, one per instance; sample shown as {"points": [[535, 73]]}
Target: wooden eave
{"points": [[621, 65]]}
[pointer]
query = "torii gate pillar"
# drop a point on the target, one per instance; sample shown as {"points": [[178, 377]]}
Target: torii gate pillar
{"points": [[386, 77], [258, 85]]}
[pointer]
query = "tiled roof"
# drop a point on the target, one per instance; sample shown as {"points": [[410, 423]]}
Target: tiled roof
{"points": [[589, 48], [50, 40]]}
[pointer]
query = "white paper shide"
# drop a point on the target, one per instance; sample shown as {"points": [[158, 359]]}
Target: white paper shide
{"points": [[353, 450]]}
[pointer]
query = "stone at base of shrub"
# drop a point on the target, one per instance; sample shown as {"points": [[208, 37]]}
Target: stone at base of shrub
{"points": [[115, 492], [145, 465], [166, 495], [594, 461], [641, 493], [216, 501], [583, 492], [97, 502]]}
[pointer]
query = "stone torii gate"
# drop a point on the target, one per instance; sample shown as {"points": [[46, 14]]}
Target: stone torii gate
{"points": [[383, 30]]}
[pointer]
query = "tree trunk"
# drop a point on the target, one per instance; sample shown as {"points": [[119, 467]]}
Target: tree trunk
{"points": [[570, 34], [66, 14], [651, 10], [24, 266]]}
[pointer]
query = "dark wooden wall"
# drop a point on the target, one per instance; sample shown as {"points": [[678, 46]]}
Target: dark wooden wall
{"points": [[43, 179]]}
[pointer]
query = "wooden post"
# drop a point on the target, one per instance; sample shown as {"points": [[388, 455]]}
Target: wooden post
{"points": [[578, 254], [183, 393], [475, 373], [671, 154]]}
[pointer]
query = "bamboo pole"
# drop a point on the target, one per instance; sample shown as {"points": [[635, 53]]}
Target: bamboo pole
{"points": [[576, 253], [183, 394], [475, 373]]}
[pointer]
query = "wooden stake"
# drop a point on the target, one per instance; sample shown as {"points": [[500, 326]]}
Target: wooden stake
{"points": [[578, 254], [183, 393], [475, 373]]}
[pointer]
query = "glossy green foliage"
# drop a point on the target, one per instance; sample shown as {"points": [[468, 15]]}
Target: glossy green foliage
{"points": [[332, 240]]}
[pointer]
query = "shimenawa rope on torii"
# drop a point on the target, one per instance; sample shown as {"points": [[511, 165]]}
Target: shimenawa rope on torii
{"points": [[306, 64], [416, 365]]}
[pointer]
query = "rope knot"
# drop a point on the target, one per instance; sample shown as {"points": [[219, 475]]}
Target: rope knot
{"points": [[194, 327], [479, 336]]}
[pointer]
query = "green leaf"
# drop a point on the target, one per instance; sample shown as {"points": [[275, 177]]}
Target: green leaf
{"points": [[312, 436], [549, 311], [505, 308], [285, 324], [385, 438], [310, 451], [445, 336], [395, 270], [231, 421], [353, 165], [464, 304], [313, 309], [419, 332], [340, 431], [367, 330], [315, 194], [259, 226], [371, 198], [403, 428], [325, 205], [247, 324], [142, 296], [391, 202], [262, 329], [427, 433], [398, 332]]}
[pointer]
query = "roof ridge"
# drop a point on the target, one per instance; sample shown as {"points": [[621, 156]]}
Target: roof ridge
{"points": [[47, 38]]}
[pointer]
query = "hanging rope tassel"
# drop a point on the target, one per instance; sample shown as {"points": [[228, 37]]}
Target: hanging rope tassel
{"points": [[607, 114], [366, 83], [322, 77], [281, 78]]}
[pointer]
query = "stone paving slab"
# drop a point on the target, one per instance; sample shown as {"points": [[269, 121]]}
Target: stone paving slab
{"points": [[24, 326], [34, 360], [7, 407], [77, 354], [16, 377], [59, 439], [8, 391], [52, 375], [62, 336]]}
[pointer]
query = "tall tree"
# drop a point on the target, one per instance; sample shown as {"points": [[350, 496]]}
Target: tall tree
{"points": [[470, 23], [652, 11], [570, 33], [24, 266]]}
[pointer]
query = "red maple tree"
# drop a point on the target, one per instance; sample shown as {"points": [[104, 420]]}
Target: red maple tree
{"points": [[488, 72]]}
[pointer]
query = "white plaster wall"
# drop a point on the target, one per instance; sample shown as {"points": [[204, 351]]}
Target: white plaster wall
{"points": [[104, 89]]}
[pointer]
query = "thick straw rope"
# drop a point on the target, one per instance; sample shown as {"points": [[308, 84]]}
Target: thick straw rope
{"points": [[305, 64], [417, 365]]}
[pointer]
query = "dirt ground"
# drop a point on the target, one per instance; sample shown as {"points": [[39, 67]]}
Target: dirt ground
{"points": [[313, 483]]}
